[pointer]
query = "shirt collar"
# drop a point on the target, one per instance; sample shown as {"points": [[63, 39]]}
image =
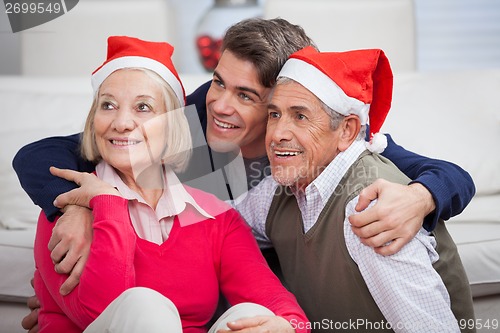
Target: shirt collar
{"points": [[168, 204]]}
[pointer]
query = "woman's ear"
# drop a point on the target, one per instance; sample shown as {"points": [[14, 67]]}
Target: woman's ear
{"points": [[349, 128]]}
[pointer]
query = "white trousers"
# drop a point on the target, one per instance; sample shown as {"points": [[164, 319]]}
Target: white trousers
{"points": [[139, 310]]}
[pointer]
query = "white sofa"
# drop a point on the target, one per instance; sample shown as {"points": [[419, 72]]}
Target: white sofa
{"points": [[443, 115]]}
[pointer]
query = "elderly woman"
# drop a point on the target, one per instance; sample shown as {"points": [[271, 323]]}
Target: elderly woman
{"points": [[161, 251]]}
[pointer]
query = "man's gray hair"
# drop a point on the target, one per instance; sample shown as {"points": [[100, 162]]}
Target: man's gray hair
{"points": [[336, 118]]}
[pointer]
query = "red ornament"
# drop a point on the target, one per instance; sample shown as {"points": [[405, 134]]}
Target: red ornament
{"points": [[209, 51]]}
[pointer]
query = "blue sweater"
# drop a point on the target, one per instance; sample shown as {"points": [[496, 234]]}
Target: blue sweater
{"points": [[451, 187]]}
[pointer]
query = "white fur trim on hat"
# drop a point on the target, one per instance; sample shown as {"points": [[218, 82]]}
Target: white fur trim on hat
{"points": [[140, 62], [324, 88], [377, 144]]}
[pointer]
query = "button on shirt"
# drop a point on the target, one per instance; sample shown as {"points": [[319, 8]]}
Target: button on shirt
{"points": [[405, 286], [149, 224]]}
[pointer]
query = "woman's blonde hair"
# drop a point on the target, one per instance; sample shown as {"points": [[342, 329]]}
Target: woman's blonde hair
{"points": [[178, 136]]}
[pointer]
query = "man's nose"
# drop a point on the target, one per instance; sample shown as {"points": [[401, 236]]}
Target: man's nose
{"points": [[224, 103], [280, 130]]}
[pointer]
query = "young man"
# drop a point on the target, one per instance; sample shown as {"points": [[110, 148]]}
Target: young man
{"points": [[319, 164], [233, 110]]}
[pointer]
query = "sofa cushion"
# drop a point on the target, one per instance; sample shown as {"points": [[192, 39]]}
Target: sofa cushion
{"points": [[33, 109], [477, 234], [452, 116], [17, 264]]}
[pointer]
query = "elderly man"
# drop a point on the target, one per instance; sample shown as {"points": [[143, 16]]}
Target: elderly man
{"points": [[319, 164]]}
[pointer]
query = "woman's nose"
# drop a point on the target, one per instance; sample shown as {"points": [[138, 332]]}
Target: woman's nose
{"points": [[124, 121]]}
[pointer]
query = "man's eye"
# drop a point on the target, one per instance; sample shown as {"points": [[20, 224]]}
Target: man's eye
{"points": [[245, 97], [300, 116], [273, 114], [218, 83]]}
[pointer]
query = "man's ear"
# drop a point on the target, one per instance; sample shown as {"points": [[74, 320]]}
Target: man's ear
{"points": [[349, 128]]}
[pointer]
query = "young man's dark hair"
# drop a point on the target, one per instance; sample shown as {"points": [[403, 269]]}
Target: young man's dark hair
{"points": [[267, 44]]}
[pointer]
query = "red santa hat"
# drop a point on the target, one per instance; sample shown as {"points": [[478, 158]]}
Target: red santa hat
{"points": [[127, 52], [353, 82]]}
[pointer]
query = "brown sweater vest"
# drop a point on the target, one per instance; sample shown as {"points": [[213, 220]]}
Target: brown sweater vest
{"points": [[318, 269]]}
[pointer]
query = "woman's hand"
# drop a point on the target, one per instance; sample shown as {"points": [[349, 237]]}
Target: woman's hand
{"points": [[89, 187], [273, 324]]}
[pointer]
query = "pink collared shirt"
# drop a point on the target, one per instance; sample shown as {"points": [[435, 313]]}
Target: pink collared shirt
{"points": [[150, 224]]}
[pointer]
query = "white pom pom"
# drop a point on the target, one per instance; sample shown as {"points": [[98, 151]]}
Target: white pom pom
{"points": [[377, 144]]}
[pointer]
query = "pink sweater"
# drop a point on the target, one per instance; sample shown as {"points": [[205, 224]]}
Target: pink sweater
{"points": [[188, 268]]}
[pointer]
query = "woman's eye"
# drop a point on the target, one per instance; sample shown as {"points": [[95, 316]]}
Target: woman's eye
{"points": [[143, 107], [107, 106]]}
